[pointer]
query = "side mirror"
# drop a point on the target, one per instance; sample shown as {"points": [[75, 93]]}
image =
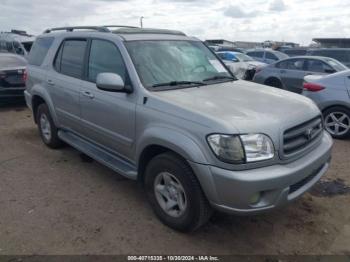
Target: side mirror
{"points": [[111, 82], [235, 60]]}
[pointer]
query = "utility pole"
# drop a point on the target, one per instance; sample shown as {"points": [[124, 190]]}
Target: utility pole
{"points": [[141, 21]]}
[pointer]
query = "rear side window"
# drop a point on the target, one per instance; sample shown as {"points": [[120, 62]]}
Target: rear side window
{"points": [[291, 64], [270, 56], [105, 58], [18, 49], [9, 47], [70, 58], [39, 50], [318, 66]]}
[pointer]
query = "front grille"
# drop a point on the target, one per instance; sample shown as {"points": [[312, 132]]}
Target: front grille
{"points": [[295, 187], [301, 136]]}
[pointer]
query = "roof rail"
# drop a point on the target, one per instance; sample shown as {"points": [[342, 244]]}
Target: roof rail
{"points": [[72, 28], [120, 26]]}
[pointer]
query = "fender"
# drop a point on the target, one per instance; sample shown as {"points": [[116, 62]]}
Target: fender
{"points": [[38, 90], [184, 145], [174, 139], [328, 104]]}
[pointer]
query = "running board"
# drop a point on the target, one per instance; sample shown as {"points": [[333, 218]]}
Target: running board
{"points": [[106, 158]]}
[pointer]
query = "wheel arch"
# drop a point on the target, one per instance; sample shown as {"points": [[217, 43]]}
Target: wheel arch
{"points": [[156, 141], [327, 107], [39, 97], [271, 78]]}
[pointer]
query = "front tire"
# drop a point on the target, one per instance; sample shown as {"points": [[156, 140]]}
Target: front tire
{"points": [[47, 129], [337, 122], [175, 193]]}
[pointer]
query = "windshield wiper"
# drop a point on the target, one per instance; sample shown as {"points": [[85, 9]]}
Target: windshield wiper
{"points": [[178, 83], [218, 78]]}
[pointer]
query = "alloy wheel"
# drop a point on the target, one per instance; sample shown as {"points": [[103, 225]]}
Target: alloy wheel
{"points": [[45, 127], [337, 123], [170, 194]]}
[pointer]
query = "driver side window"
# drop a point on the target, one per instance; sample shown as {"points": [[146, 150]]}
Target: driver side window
{"points": [[105, 58]]}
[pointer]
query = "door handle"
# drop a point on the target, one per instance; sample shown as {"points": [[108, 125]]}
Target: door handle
{"points": [[88, 94], [282, 71], [50, 82]]}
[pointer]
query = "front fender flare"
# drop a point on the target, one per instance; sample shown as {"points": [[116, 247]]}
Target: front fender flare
{"points": [[173, 139]]}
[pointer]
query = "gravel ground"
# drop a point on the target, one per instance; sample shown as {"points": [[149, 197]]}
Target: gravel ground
{"points": [[56, 202]]}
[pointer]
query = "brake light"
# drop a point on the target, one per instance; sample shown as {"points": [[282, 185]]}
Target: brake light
{"points": [[313, 87], [25, 75]]}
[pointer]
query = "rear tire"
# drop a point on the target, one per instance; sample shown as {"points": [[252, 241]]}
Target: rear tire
{"points": [[170, 182], [274, 82], [337, 122], [47, 129]]}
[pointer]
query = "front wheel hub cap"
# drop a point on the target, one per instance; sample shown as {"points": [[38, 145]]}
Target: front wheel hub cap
{"points": [[170, 194]]}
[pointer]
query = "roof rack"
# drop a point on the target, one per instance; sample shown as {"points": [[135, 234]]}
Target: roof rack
{"points": [[120, 26], [121, 29], [72, 28], [139, 30]]}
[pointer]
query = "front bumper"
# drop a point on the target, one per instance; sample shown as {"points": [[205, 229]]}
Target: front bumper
{"points": [[276, 185]]}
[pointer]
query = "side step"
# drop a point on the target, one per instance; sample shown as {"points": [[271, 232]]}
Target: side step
{"points": [[104, 157]]}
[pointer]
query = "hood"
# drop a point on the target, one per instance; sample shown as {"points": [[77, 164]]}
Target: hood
{"points": [[237, 106]]}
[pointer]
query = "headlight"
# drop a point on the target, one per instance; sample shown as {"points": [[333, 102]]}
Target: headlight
{"points": [[257, 147], [238, 149], [227, 148]]}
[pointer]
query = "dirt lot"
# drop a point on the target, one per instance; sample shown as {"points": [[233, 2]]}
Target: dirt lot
{"points": [[54, 202]]}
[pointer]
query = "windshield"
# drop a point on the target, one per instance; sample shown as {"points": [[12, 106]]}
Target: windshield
{"points": [[243, 57], [162, 61]]}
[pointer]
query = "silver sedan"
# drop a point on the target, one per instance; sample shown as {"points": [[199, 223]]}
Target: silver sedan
{"points": [[289, 73], [332, 95]]}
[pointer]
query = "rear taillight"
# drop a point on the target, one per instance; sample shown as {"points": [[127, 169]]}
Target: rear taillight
{"points": [[25, 75], [313, 87]]}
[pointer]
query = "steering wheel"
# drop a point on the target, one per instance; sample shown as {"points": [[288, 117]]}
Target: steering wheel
{"points": [[197, 67]]}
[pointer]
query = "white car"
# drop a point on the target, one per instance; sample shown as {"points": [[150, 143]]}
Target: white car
{"points": [[331, 93], [241, 65]]}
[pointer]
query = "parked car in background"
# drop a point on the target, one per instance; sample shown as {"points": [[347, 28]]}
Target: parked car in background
{"points": [[218, 48], [16, 41], [289, 73], [340, 54], [159, 107], [332, 95], [295, 51], [267, 56], [241, 65], [12, 77]]}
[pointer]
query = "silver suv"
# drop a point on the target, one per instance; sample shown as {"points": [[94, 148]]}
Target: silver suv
{"points": [[159, 107]]}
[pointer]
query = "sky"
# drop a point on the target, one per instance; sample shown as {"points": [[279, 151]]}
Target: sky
{"points": [[236, 20]]}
